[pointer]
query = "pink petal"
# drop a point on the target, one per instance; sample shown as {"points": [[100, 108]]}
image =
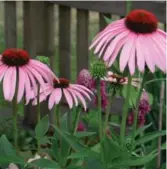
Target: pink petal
{"points": [[112, 46], [3, 70], [81, 91], [107, 38], [131, 62], [164, 34], [44, 67], [21, 84], [74, 96], [52, 99], [58, 94], [125, 53], [140, 56], [9, 83], [68, 98], [148, 58], [36, 75], [43, 96], [81, 98], [116, 51], [28, 90], [82, 87], [104, 33]]}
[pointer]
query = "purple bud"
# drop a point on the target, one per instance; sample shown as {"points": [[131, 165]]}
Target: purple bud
{"points": [[81, 126]]}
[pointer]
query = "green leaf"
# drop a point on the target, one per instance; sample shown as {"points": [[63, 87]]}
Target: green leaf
{"points": [[71, 140], [6, 147], [163, 147], [45, 163], [163, 166], [6, 159], [142, 129], [150, 96], [42, 127], [84, 134], [134, 161], [149, 137], [44, 60], [79, 155], [108, 20]]}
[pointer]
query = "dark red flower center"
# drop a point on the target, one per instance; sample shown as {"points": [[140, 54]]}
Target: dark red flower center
{"points": [[63, 83], [15, 57], [141, 21]]}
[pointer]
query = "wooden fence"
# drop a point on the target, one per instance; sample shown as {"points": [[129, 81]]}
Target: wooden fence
{"points": [[38, 27]]}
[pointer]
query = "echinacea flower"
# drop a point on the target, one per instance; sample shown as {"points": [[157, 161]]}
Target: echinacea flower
{"points": [[73, 93], [119, 79], [16, 64], [138, 41], [84, 78]]}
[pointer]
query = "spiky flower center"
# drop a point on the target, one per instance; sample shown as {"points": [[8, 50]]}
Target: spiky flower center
{"points": [[98, 69], [141, 21], [62, 83], [15, 57]]}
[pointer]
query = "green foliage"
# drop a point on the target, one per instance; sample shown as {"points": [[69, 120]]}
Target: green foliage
{"points": [[43, 59]]}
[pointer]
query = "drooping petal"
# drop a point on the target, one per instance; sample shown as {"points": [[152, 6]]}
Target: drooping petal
{"points": [[149, 59], [82, 87], [44, 67], [9, 83], [36, 75], [21, 84], [140, 55], [107, 38], [74, 96], [68, 98], [111, 47], [28, 90], [81, 91], [131, 62], [43, 95], [81, 98], [58, 94], [3, 70], [52, 99], [125, 53], [117, 49]]}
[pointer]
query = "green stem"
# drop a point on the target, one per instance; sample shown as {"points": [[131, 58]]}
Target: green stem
{"points": [[76, 120], [125, 111], [38, 112], [99, 110], [108, 112], [14, 114], [137, 106], [57, 116]]}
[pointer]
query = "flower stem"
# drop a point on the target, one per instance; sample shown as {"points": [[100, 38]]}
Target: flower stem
{"points": [[14, 114], [76, 120], [108, 112], [125, 111], [137, 106], [57, 116], [38, 112]]}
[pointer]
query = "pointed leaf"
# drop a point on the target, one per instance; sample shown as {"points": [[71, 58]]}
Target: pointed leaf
{"points": [[149, 137], [6, 147], [84, 134], [142, 129], [6, 159], [42, 127]]}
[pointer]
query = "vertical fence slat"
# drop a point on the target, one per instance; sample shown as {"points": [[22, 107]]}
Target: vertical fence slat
{"points": [[82, 39], [64, 41], [35, 43], [10, 24], [29, 27], [102, 22]]}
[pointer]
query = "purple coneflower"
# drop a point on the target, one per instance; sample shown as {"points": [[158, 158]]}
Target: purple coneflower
{"points": [[137, 39], [73, 93], [17, 63]]}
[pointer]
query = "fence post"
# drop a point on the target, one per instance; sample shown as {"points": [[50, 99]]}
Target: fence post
{"points": [[65, 41], [10, 24], [102, 22], [36, 43], [82, 39]]}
